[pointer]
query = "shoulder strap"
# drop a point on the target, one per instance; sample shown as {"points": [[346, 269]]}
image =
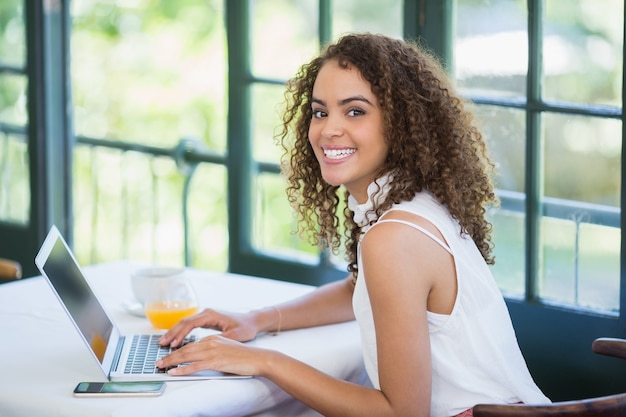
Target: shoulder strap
{"points": [[421, 229]]}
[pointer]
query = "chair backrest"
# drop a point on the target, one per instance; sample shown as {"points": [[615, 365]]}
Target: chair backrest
{"points": [[610, 346], [9, 270], [608, 406]]}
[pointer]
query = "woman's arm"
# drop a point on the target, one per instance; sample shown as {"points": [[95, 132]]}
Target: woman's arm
{"points": [[330, 303]]}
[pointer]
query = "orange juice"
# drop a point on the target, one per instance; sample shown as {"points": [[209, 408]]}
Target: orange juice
{"points": [[165, 314]]}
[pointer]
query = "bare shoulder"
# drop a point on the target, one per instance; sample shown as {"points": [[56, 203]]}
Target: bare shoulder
{"points": [[396, 231], [399, 267], [394, 243], [394, 252]]}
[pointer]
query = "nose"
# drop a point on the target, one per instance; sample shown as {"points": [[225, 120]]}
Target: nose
{"points": [[332, 127]]}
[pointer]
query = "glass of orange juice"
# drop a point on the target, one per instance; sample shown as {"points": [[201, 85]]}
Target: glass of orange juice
{"points": [[166, 294]]}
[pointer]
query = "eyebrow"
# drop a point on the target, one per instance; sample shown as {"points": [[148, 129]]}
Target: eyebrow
{"points": [[344, 101]]}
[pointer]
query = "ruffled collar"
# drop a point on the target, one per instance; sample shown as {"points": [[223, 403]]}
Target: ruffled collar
{"points": [[376, 192]]}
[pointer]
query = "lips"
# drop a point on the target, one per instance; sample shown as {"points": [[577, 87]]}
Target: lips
{"points": [[338, 153]]}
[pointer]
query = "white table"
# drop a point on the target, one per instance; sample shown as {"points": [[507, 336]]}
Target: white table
{"points": [[43, 357]]}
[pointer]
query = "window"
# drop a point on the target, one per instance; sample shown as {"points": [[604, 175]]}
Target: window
{"points": [[33, 103], [148, 81], [551, 112], [14, 169], [545, 77]]}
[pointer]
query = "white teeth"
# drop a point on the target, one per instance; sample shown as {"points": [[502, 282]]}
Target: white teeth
{"points": [[338, 153]]}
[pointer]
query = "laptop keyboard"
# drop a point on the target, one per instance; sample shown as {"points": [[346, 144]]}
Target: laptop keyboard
{"points": [[145, 351]]}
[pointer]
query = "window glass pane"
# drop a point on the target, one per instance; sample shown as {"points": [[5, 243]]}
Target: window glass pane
{"points": [[581, 263], [367, 16], [592, 30], [505, 133], [14, 158], [12, 33], [123, 198], [14, 178], [599, 266], [267, 104], [275, 222], [208, 218], [284, 36], [508, 237], [491, 47], [13, 99], [583, 159], [504, 130], [149, 71], [133, 203], [580, 230], [559, 268]]}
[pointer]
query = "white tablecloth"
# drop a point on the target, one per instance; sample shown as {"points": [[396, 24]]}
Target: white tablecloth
{"points": [[43, 358]]}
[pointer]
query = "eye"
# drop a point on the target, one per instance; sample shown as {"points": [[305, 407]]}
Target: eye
{"points": [[355, 112], [318, 114]]}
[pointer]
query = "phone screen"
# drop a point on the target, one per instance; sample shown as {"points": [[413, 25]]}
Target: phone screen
{"points": [[114, 389]]}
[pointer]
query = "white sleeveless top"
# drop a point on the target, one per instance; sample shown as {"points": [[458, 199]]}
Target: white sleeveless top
{"points": [[475, 355]]}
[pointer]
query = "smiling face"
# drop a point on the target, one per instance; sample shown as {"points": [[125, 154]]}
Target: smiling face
{"points": [[346, 130]]}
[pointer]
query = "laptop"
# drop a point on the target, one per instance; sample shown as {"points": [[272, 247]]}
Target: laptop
{"points": [[121, 357]]}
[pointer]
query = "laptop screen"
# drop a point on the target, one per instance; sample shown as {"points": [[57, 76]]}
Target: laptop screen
{"points": [[71, 287]]}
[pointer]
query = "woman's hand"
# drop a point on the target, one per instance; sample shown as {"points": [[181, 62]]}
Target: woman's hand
{"points": [[237, 326], [216, 353]]}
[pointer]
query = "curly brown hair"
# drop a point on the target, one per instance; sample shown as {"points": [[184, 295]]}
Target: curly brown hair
{"points": [[433, 142]]}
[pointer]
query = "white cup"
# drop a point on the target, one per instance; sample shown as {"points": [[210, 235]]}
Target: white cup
{"points": [[143, 281], [166, 294]]}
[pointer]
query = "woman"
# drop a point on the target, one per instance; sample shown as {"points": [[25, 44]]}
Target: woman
{"points": [[376, 117]]}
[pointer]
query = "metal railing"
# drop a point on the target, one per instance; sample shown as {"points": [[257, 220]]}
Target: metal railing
{"points": [[187, 154]]}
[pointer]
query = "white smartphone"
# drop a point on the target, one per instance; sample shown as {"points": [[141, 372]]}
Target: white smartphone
{"points": [[119, 389]]}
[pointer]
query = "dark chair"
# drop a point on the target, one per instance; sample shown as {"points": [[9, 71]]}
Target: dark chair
{"points": [[610, 346], [9, 270], [607, 406]]}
